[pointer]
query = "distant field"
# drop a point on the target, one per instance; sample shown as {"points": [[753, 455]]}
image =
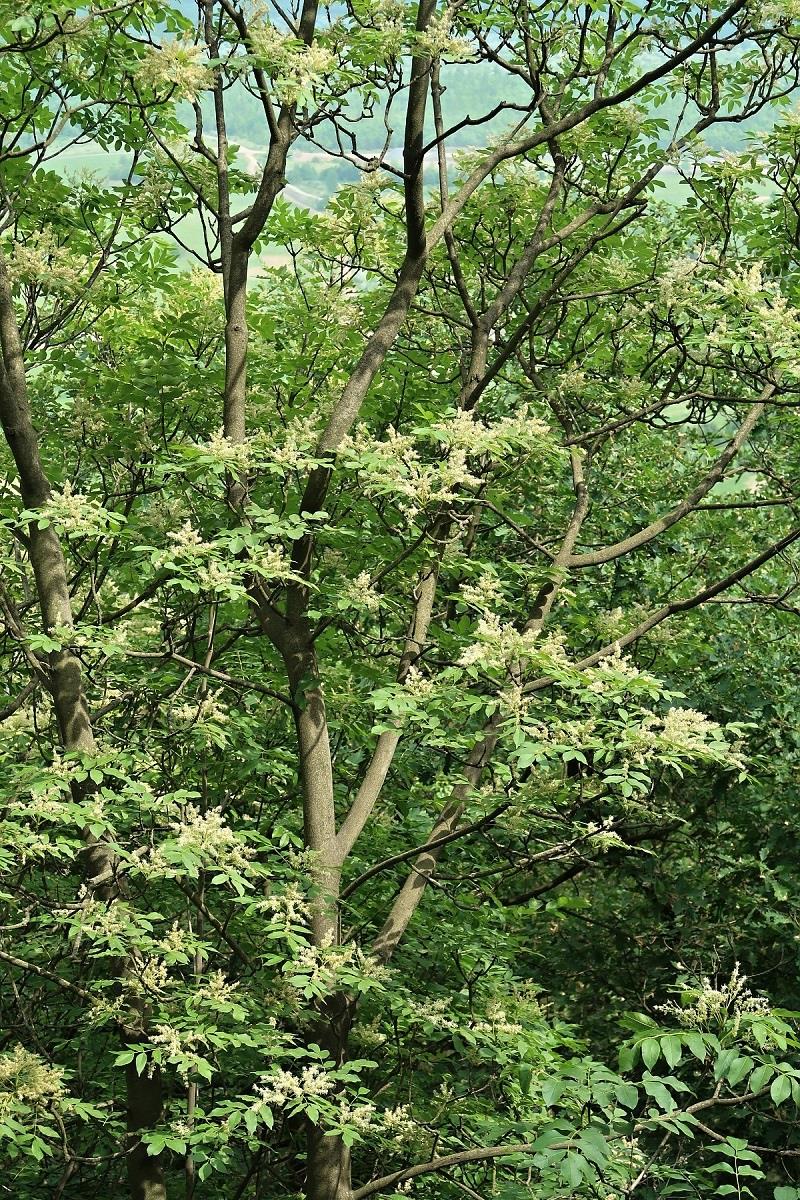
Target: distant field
{"points": [[314, 189]]}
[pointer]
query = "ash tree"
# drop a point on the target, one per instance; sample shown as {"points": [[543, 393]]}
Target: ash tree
{"points": [[345, 551]]}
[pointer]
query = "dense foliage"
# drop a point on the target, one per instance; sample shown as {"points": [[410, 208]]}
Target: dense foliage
{"points": [[398, 736]]}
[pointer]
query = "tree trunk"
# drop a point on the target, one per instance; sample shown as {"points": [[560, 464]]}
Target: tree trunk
{"points": [[328, 1167], [328, 1159], [66, 683], [145, 1174]]}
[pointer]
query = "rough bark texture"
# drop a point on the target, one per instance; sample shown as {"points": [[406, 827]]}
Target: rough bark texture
{"points": [[144, 1108]]}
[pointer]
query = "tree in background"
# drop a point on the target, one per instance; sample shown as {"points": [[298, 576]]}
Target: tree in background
{"points": [[359, 587]]}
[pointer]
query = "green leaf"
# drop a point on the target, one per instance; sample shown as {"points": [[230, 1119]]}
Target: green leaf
{"points": [[697, 1045], [573, 1168], [671, 1049], [660, 1094], [651, 1052], [739, 1068], [552, 1090], [760, 1077], [627, 1095], [724, 1063]]}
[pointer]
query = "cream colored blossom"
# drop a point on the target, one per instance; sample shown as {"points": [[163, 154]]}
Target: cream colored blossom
{"points": [[237, 456], [150, 978], [439, 42], [360, 1117], [27, 1078], [323, 966], [206, 710], [483, 593], [282, 1087], [499, 645], [207, 835], [78, 515], [289, 907], [714, 1007], [295, 450], [360, 593], [293, 67], [417, 685], [42, 262], [177, 65], [393, 464], [779, 12], [676, 283]]}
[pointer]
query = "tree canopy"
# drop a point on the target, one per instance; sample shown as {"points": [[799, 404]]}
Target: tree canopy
{"points": [[398, 614]]}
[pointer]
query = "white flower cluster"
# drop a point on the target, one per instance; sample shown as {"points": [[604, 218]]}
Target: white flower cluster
{"points": [[177, 65], [282, 1087], [150, 978], [686, 731], [200, 836], [178, 1045], [417, 685], [215, 990], [343, 305], [780, 12], [571, 382], [399, 1123], [677, 282], [77, 515], [206, 710], [20, 723], [601, 838], [27, 1078], [43, 263], [213, 568], [293, 67], [395, 1124], [499, 645], [497, 1021], [176, 941], [483, 593], [389, 17], [360, 1117], [612, 670], [512, 700], [288, 907], [465, 431], [207, 836], [323, 966], [713, 1008], [86, 418], [238, 456], [100, 920], [393, 464], [360, 593], [439, 1013], [186, 542], [299, 438], [438, 40], [628, 119]]}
